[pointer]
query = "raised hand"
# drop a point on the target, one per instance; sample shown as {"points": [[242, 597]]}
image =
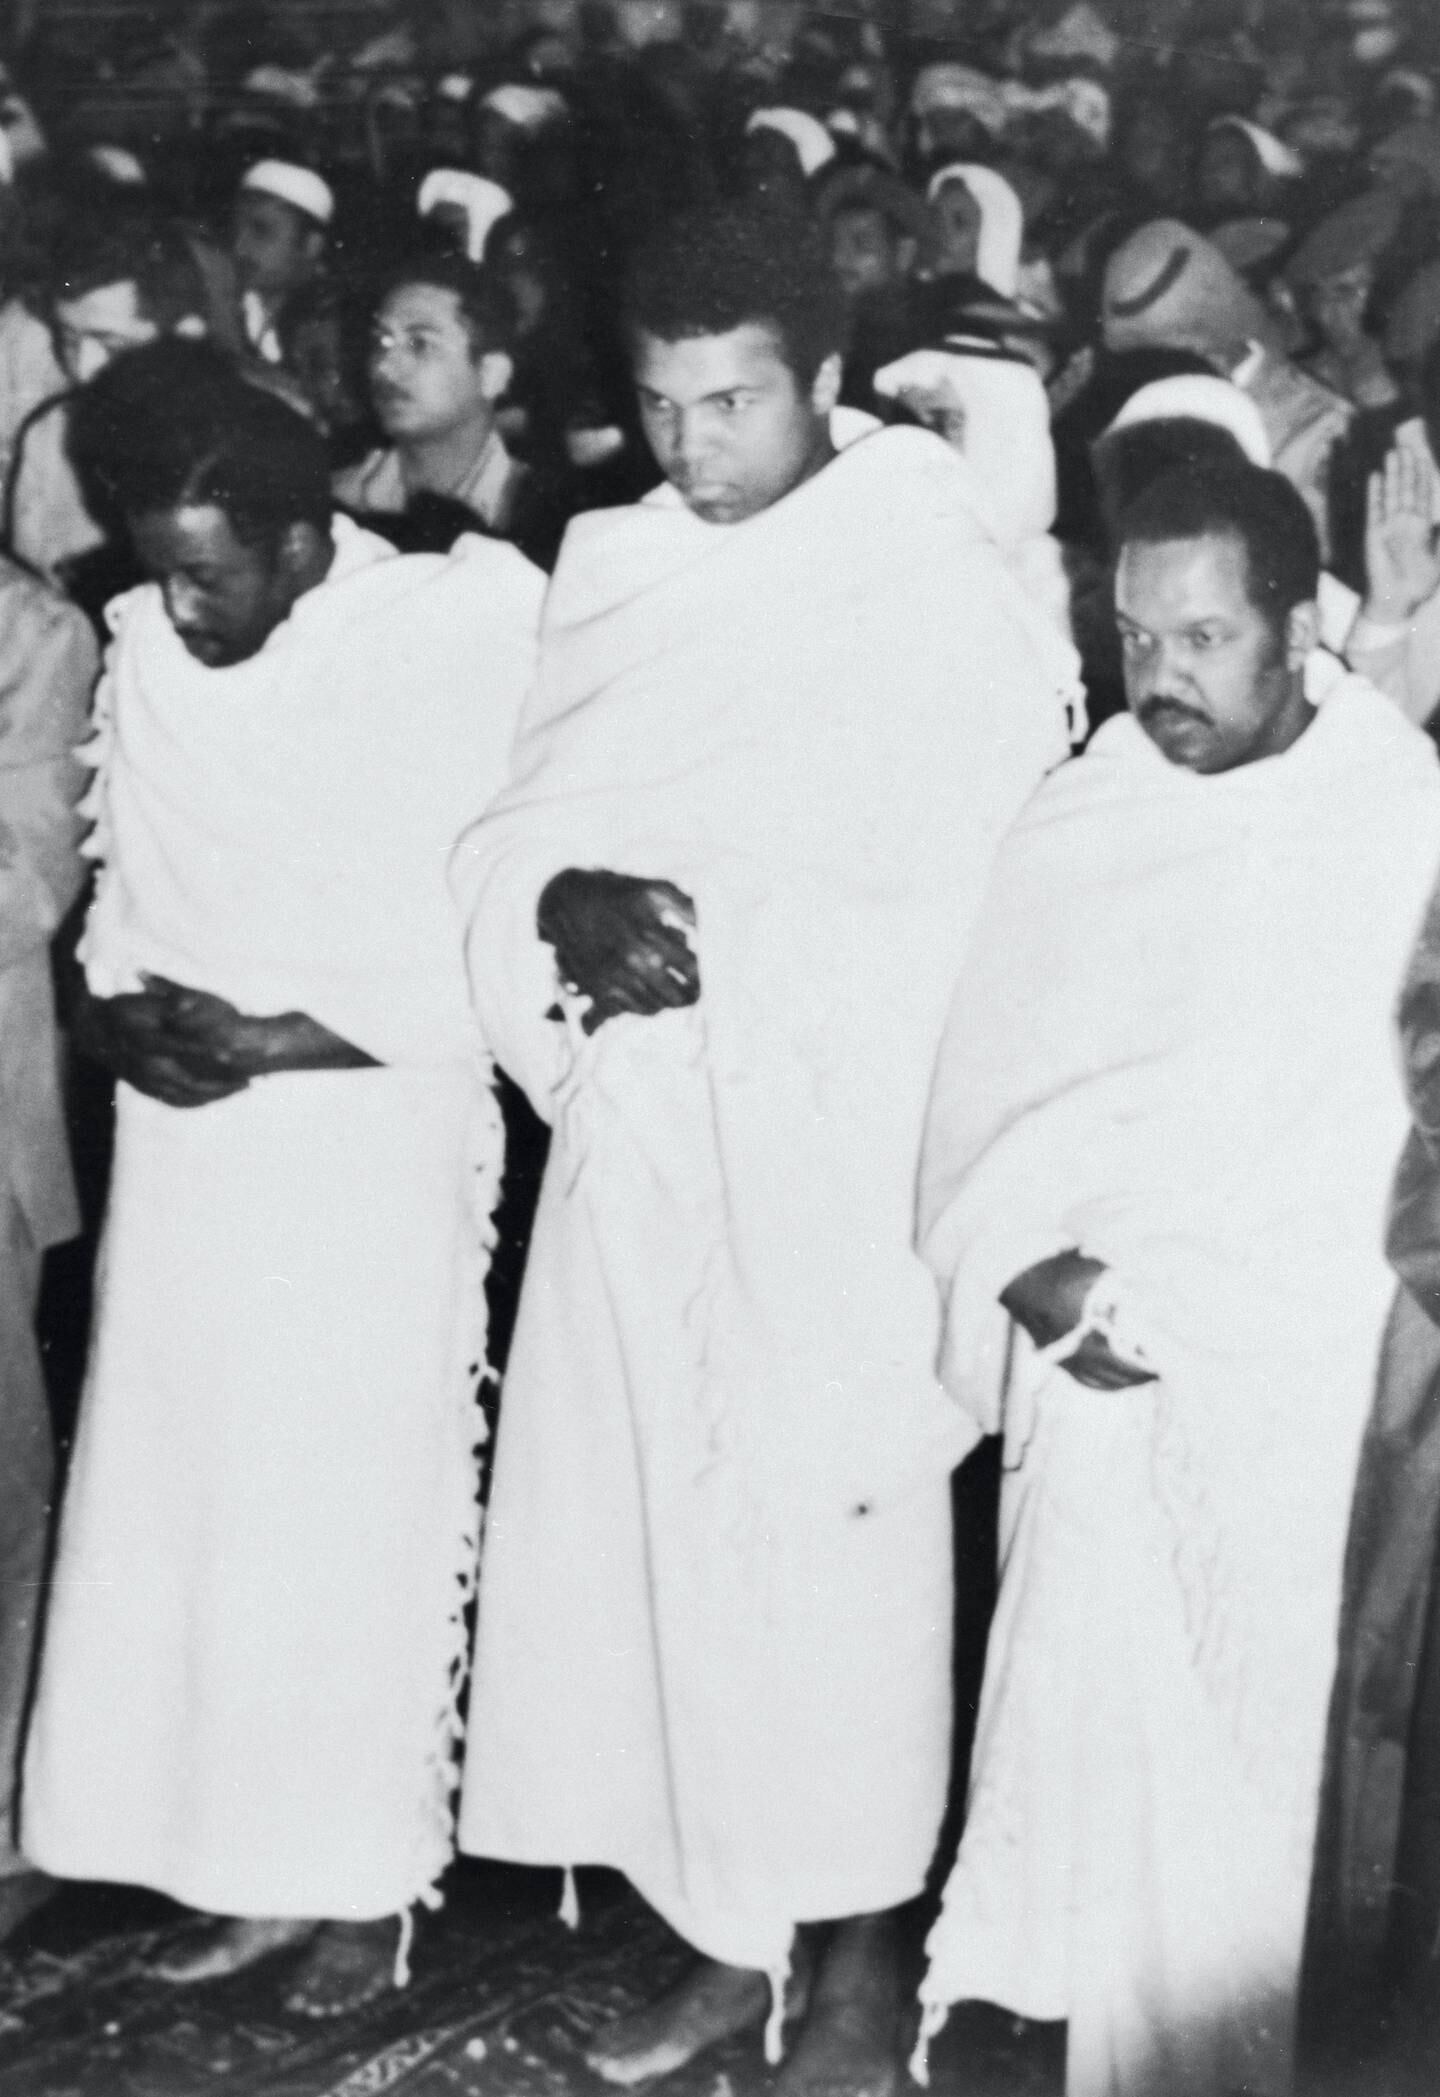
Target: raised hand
{"points": [[1402, 564]]}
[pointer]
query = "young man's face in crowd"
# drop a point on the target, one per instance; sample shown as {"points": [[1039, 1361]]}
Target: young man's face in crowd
{"points": [[730, 424], [957, 223], [427, 377], [223, 597], [276, 248], [95, 326], [868, 253], [1207, 676]]}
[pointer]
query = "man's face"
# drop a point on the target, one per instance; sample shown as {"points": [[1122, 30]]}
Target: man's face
{"points": [[957, 221], [866, 252], [426, 379], [1206, 676], [223, 598], [276, 248], [94, 328], [730, 425], [1227, 174]]}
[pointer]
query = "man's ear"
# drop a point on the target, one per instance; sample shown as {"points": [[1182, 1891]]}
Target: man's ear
{"points": [[302, 552], [497, 368], [1302, 634], [825, 393], [314, 245], [906, 253]]}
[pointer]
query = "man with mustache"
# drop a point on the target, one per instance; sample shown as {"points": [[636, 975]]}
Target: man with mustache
{"points": [[1153, 1190], [441, 359]]}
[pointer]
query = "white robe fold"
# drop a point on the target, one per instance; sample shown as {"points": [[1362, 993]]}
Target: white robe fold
{"points": [[256, 1637], [714, 1629], [1172, 1048]]}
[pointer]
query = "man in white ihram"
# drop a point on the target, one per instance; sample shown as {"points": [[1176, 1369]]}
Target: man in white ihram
{"points": [[1154, 1187], [786, 708], [247, 1694]]}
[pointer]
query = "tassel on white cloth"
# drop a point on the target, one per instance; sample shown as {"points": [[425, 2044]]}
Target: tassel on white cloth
{"points": [[779, 1979], [403, 1948], [932, 2021]]}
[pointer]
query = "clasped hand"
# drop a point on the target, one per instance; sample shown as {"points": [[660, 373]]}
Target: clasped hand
{"points": [[183, 1047], [621, 942], [188, 1047], [1048, 1299]]}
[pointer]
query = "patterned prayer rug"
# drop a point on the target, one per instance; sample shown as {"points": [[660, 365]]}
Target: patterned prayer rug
{"points": [[502, 2001]]}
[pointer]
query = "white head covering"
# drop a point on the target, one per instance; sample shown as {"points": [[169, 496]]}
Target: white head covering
{"points": [[483, 202], [300, 187], [1272, 153], [118, 164], [814, 147], [1196, 397], [1002, 222], [960, 88], [1007, 427], [528, 108]]}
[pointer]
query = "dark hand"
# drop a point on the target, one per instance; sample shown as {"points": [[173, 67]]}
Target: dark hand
{"points": [[613, 943], [1048, 1299], [134, 1036], [238, 1043]]}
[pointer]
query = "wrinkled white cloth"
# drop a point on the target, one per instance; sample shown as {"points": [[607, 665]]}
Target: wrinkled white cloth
{"points": [[1172, 1049], [256, 1635], [714, 1616]]}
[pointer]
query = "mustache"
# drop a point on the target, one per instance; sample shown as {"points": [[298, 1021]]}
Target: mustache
{"points": [[1159, 703]]}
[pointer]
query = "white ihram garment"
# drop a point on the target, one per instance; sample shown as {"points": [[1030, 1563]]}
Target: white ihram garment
{"points": [[713, 1646], [1173, 1049], [247, 1697]]}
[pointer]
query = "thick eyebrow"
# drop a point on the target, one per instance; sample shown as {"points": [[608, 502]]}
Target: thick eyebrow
{"points": [[720, 393]]}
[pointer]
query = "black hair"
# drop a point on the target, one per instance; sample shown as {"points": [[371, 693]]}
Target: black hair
{"points": [[1128, 460], [717, 267], [174, 426], [1259, 509], [483, 297], [96, 248]]}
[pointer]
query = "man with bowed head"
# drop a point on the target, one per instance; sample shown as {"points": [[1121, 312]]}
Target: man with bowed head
{"points": [[1153, 1189], [785, 709], [247, 1693]]}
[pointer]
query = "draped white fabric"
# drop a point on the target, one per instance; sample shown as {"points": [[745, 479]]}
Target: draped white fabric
{"points": [[715, 1607], [256, 1634], [1172, 1048]]}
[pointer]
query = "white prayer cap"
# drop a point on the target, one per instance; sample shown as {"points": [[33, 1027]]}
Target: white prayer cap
{"points": [[814, 147], [1272, 153], [1196, 397], [117, 164], [528, 108], [1002, 222], [455, 87], [483, 202], [300, 187], [282, 84]]}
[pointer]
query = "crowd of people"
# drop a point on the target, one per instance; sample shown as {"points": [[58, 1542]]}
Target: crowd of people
{"points": [[846, 602]]}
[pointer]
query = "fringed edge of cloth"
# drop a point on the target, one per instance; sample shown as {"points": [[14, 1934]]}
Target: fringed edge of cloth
{"points": [[485, 1167]]}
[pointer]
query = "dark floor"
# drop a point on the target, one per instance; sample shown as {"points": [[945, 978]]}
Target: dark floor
{"points": [[502, 1999]]}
